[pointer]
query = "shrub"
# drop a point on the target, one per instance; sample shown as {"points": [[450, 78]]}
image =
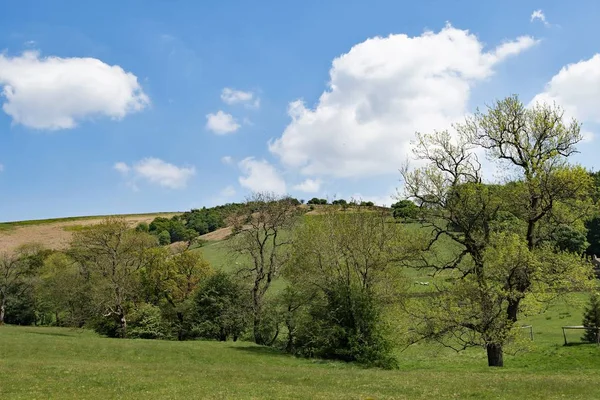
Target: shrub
{"points": [[146, 323], [164, 238], [221, 308], [142, 227]]}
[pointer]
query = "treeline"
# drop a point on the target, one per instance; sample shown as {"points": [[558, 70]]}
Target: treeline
{"points": [[335, 285]]}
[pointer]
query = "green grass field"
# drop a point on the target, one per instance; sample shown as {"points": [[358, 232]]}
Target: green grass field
{"points": [[62, 363]]}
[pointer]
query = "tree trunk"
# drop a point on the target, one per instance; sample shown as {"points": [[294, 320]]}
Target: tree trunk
{"points": [[180, 331], [258, 339], [2, 312], [494, 354], [123, 326]]}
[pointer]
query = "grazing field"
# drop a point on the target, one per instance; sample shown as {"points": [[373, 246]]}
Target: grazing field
{"points": [[62, 363], [56, 233]]}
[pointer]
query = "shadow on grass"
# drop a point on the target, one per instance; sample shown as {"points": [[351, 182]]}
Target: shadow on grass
{"points": [[51, 334], [577, 344], [260, 350]]}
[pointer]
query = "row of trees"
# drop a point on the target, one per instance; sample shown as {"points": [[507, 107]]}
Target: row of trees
{"points": [[497, 252]]}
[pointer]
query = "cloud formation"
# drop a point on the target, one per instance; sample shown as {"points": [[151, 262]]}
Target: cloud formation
{"points": [[221, 123], [381, 92], [231, 96], [261, 176], [157, 171], [309, 186], [539, 15], [56, 93]]}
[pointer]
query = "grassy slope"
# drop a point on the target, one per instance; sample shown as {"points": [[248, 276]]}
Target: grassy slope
{"points": [[4, 226]]}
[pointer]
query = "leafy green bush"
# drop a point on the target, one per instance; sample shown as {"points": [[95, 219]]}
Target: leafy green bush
{"points": [[221, 308], [146, 323], [164, 238]]}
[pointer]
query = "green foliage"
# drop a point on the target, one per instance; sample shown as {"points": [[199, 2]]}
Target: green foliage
{"points": [[316, 200], [593, 236], [591, 319], [405, 209], [339, 202], [164, 238], [367, 203], [221, 308], [147, 323], [142, 227], [567, 238], [344, 322]]}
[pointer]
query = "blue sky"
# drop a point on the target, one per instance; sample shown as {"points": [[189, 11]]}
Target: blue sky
{"points": [[139, 106]]}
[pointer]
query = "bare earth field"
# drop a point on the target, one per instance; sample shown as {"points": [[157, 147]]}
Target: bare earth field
{"points": [[56, 234]]}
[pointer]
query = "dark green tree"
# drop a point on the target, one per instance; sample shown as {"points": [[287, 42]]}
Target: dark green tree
{"points": [[591, 319]]}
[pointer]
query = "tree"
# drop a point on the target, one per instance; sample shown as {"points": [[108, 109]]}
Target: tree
{"points": [[16, 272], [221, 308], [591, 319], [170, 278], [261, 236], [345, 268], [405, 209], [491, 272], [112, 255]]}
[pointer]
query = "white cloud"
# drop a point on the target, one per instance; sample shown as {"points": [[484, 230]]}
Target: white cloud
{"points": [[231, 96], [381, 92], [56, 93], [221, 123], [1, 167], [122, 168], [309, 186], [228, 191], [227, 160], [539, 15], [260, 176], [576, 88], [157, 171]]}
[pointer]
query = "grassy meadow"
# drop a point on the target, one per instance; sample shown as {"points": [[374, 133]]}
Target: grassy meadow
{"points": [[63, 363]]}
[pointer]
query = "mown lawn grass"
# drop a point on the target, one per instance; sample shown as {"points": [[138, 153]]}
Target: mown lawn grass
{"points": [[62, 363]]}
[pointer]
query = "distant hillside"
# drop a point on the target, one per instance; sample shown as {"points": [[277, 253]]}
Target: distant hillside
{"points": [[56, 233]]}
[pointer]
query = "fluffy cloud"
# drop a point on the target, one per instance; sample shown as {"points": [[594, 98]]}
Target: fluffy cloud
{"points": [[381, 92], [55, 93], [221, 123], [260, 176], [309, 186], [576, 88], [539, 15], [227, 160], [232, 96], [157, 171]]}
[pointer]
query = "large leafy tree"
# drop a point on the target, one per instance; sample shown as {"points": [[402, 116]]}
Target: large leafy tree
{"points": [[111, 255], [495, 265]]}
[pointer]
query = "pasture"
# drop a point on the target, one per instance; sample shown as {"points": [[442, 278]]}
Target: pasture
{"points": [[63, 363]]}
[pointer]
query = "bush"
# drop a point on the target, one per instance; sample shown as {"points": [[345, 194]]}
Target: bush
{"points": [[405, 209], [591, 319], [142, 227], [146, 323], [164, 238], [221, 308], [343, 323]]}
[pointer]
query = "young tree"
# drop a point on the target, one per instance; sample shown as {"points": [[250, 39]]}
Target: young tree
{"points": [[262, 238], [405, 209], [111, 255], [591, 319], [491, 272]]}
